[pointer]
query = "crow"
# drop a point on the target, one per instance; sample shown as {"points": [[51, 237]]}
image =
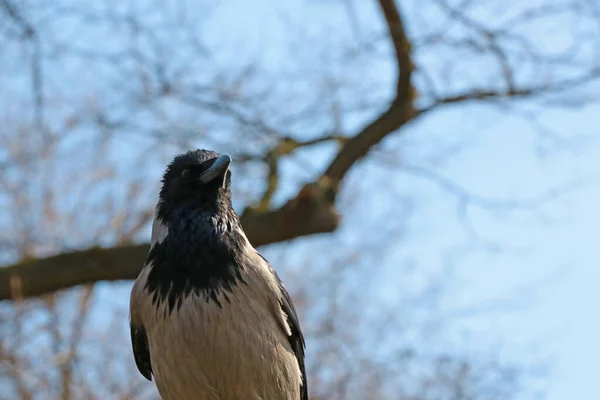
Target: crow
{"points": [[209, 317]]}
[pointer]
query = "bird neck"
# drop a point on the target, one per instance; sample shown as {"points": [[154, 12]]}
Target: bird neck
{"points": [[202, 253]]}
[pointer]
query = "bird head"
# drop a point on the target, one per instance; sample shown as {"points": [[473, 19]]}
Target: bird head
{"points": [[195, 231], [198, 180]]}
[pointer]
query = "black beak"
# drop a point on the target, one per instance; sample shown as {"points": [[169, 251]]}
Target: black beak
{"points": [[218, 169]]}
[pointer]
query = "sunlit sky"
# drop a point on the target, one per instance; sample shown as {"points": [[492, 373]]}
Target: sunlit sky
{"points": [[525, 280], [549, 270], [536, 296]]}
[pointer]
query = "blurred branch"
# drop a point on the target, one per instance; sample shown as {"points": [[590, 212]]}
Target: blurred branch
{"points": [[312, 211], [14, 365], [284, 147], [400, 111], [306, 214], [39, 276], [67, 365], [515, 92], [15, 15], [465, 199], [30, 33], [464, 196]]}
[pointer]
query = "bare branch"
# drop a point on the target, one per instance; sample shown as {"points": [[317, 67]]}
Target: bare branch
{"points": [[312, 211], [29, 32], [463, 195], [515, 93], [400, 111], [306, 214]]}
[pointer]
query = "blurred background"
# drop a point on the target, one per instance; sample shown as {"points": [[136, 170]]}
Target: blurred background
{"points": [[422, 173]]}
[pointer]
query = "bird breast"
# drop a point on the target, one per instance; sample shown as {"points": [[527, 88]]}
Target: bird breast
{"points": [[235, 351]]}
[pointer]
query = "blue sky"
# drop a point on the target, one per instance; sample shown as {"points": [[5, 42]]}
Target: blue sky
{"points": [[548, 274], [528, 282], [537, 296]]}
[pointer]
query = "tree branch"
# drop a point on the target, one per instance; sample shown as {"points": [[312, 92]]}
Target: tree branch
{"points": [[312, 211], [514, 93], [400, 111]]}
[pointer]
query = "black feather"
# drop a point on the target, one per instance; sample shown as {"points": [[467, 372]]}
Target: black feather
{"points": [[192, 258], [141, 352]]}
